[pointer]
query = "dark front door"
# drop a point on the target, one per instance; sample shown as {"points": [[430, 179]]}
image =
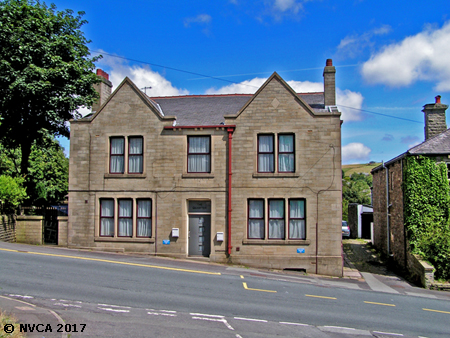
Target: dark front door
{"points": [[199, 235]]}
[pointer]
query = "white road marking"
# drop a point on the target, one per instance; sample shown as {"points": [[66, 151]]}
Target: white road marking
{"points": [[114, 310], [125, 307], [206, 315], [251, 319], [389, 333], [161, 314], [298, 324], [20, 296], [340, 327], [238, 336], [222, 320], [67, 305]]}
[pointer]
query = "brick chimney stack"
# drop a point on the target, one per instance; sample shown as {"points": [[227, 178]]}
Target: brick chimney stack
{"points": [[103, 89], [329, 84], [435, 118]]}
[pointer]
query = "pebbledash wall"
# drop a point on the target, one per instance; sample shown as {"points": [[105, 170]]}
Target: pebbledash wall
{"points": [[224, 192]]}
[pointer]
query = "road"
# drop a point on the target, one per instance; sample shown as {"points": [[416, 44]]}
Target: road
{"points": [[156, 297]]}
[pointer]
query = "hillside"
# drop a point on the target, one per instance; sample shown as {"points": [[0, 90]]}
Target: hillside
{"points": [[349, 169]]}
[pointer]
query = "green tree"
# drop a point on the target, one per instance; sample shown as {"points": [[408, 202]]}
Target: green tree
{"points": [[45, 73], [12, 193], [355, 189], [48, 172]]}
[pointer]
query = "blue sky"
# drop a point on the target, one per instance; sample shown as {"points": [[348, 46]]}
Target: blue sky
{"points": [[391, 57]]}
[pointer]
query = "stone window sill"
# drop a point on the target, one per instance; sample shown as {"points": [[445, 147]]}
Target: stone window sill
{"points": [[125, 175], [197, 175], [275, 175], [276, 241], [124, 239]]}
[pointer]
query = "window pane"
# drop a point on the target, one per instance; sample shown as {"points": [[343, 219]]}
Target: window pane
{"points": [[256, 229], [144, 208], [266, 143], [276, 229], [199, 163], [117, 146], [265, 163], [107, 227], [117, 164], [107, 218], [297, 209], [135, 145], [286, 143], [125, 217], [125, 227], [286, 163], [297, 222], [276, 208], [297, 229], [107, 208], [135, 164], [144, 221], [256, 209], [199, 144], [144, 228]]}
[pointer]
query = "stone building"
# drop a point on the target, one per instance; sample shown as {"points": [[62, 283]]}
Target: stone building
{"points": [[246, 179], [388, 217]]}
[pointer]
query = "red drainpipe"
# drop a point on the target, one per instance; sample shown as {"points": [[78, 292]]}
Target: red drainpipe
{"points": [[230, 137]]}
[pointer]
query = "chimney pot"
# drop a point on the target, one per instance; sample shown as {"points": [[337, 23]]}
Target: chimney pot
{"points": [[329, 63], [438, 99], [103, 74]]}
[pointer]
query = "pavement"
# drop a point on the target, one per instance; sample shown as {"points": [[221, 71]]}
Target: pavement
{"points": [[362, 268]]}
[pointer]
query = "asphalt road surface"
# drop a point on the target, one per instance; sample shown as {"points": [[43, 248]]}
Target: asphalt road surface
{"points": [[120, 295]]}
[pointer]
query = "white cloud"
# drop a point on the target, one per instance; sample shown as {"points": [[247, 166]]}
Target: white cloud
{"points": [[142, 76], [355, 152], [343, 97], [200, 19], [423, 56], [287, 5], [353, 45], [346, 99]]}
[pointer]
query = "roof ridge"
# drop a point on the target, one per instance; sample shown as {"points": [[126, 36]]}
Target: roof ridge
{"points": [[197, 95]]}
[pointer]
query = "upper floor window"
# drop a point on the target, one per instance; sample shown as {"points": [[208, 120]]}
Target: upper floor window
{"points": [[199, 154], [117, 157], [135, 155], [131, 161], [286, 153], [266, 159]]}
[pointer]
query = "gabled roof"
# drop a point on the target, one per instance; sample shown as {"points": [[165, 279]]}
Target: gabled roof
{"points": [[437, 145], [207, 110]]}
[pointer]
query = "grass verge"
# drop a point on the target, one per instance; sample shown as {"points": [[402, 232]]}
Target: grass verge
{"points": [[6, 319]]}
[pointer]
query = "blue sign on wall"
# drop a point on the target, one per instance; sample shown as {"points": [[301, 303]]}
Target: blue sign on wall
{"points": [[300, 250], [166, 241]]}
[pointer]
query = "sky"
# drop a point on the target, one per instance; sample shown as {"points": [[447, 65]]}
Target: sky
{"points": [[391, 57]]}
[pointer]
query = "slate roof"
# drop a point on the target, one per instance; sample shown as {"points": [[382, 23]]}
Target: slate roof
{"points": [[204, 110], [437, 145]]}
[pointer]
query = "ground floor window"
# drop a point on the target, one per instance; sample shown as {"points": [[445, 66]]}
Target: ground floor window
{"points": [[126, 217], [274, 224]]}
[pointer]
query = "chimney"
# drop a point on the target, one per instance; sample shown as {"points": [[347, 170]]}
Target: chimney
{"points": [[103, 89], [329, 84], [435, 118]]}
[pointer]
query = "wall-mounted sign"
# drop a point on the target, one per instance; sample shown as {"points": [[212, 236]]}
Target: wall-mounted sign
{"points": [[300, 250], [166, 241]]}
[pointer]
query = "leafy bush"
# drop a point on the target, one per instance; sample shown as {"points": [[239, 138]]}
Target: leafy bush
{"points": [[12, 193]]}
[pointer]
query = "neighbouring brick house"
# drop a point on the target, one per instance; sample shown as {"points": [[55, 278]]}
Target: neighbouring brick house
{"points": [[388, 217], [247, 179]]}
